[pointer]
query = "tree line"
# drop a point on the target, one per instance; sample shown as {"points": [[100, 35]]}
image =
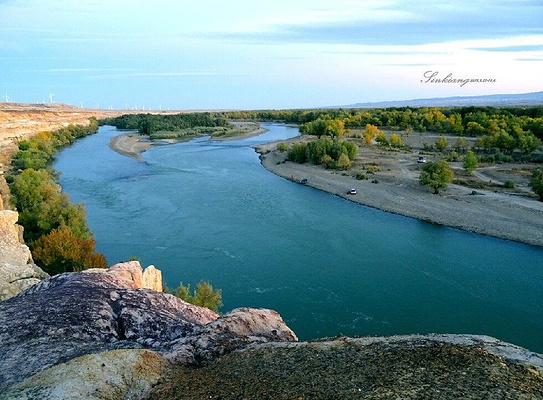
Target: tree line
{"points": [[150, 124], [503, 128], [54, 228]]}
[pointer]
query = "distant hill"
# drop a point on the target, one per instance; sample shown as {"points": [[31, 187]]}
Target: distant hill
{"points": [[523, 99], [10, 106]]}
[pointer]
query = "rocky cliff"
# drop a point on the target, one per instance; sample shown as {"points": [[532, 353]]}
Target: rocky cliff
{"points": [[17, 271], [103, 331]]}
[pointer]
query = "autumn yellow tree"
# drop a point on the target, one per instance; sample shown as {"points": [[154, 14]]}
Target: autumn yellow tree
{"points": [[62, 251], [371, 133]]}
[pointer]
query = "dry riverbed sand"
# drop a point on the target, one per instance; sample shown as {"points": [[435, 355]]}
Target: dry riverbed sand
{"points": [[516, 215]]}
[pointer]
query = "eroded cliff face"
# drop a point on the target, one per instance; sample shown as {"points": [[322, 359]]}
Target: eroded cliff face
{"points": [[60, 322], [17, 271]]}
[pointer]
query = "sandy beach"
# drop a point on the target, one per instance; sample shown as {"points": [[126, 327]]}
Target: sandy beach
{"points": [[505, 216]]}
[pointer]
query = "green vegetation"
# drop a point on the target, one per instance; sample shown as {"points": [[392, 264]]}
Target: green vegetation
{"points": [[509, 184], [204, 295], [173, 125], [282, 147], [470, 162], [43, 207], [324, 125], [536, 182], [436, 175], [38, 152], [441, 143], [55, 229], [503, 129], [332, 153]]}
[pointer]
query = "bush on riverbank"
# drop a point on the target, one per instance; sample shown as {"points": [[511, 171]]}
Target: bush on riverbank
{"points": [[536, 182], [337, 154], [63, 251]]}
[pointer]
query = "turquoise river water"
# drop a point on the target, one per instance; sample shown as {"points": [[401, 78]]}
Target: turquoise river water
{"points": [[209, 211]]}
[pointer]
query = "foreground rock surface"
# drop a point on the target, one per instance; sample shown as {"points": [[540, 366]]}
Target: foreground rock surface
{"points": [[49, 331], [17, 271], [103, 334], [401, 367]]}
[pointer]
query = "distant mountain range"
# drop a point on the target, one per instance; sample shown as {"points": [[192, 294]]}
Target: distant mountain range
{"points": [[523, 99]]}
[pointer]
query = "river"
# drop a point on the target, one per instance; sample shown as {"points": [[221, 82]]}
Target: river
{"points": [[205, 210]]}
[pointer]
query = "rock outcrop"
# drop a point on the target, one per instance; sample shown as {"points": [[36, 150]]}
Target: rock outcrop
{"points": [[17, 271], [68, 317]]}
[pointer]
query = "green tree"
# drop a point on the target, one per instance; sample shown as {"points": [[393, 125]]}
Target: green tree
{"points": [[298, 153], [42, 207], [470, 162], [436, 175], [441, 143], [536, 182], [204, 295]]}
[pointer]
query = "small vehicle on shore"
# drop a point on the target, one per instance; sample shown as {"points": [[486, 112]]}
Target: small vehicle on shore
{"points": [[352, 191]]}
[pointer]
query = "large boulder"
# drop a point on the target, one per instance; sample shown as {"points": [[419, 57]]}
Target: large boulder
{"points": [[17, 271], [72, 315]]}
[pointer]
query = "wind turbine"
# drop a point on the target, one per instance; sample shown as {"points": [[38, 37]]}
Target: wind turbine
{"points": [[7, 98], [51, 98], [81, 104]]}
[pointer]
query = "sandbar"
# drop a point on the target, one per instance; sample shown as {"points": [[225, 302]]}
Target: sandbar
{"points": [[505, 216]]}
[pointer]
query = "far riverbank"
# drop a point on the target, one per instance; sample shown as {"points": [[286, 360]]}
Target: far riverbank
{"points": [[488, 213]]}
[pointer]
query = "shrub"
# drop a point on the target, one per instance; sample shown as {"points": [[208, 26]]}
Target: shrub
{"points": [[298, 153], [453, 156], [360, 176], [344, 162], [282, 147], [441, 143], [509, 184], [62, 251], [204, 295], [395, 140], [326, 160], [536, 182], [470, 162]]}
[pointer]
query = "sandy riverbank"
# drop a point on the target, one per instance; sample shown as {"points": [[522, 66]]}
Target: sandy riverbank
{"points": [[500, 215], [133, 145]]}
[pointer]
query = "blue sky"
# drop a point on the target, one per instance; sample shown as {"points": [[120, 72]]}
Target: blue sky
{"points": [[209, 54]]}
